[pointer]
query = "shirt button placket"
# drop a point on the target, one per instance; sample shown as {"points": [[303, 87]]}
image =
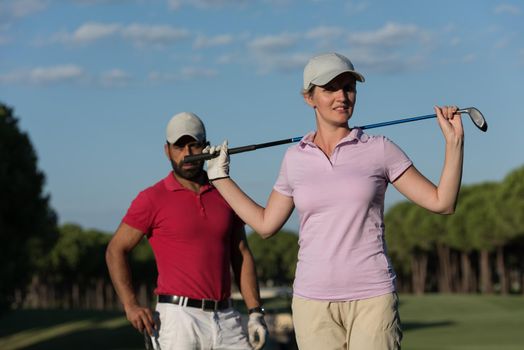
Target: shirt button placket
{"points": [[201, 205]]}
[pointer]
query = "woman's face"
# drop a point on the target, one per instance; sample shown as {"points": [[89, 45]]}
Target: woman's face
{"points": [[334, 102]]}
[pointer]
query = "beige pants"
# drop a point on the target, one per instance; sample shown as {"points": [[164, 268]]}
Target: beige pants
{"points": [[368, 324]]}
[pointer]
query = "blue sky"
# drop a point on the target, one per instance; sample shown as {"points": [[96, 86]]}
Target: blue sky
{"points": [[95, 82]]}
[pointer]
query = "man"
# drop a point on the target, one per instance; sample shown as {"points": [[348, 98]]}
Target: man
{"points": [[196, 237]]}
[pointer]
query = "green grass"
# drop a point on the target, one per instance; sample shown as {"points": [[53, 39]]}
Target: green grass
{"points": [[431, 322], [60, 329], [462, 322]]}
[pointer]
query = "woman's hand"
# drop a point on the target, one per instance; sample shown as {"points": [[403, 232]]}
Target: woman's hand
{"points": [[451, 124]]}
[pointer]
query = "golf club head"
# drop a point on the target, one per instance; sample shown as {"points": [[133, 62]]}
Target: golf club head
{"points": [[477, 117]]}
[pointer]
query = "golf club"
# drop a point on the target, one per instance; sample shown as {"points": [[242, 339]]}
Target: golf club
{"points": [[476, 117]]}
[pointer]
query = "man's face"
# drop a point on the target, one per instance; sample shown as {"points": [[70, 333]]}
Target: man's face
{"points": [[185, 146]]}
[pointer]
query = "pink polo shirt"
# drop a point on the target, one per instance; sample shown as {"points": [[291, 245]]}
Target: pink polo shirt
{"points": [[340, 202], [191, 236]]}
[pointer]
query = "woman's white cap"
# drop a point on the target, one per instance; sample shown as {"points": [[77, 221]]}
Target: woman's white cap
{"points": [[185, 123], [321, 69]]}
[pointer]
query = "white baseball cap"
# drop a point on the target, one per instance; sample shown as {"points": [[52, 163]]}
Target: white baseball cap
{"points": [[321, 69], [185, 123]]}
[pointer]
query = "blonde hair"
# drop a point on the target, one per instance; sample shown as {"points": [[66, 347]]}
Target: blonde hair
{"points": [[308, 91]]}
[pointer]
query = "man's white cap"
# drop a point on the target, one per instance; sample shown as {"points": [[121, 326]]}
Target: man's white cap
{"points": [[185, 123], [321, 69]]}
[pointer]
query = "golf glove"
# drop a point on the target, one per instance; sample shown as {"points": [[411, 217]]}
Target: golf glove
{"points": [[257, 330], [218, 167]]}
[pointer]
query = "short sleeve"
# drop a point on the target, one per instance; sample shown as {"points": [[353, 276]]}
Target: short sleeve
{"points": [[282, 184], [396, 162], [140, 213]]}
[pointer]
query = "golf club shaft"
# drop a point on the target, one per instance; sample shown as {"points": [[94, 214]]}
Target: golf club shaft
{"points": [[206, 156]]}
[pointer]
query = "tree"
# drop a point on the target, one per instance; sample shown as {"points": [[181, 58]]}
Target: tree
{"points": [[459, 239], [275, 257], [510, 210], [411, 236], [27, 222], [401, 252], [482, 226]]}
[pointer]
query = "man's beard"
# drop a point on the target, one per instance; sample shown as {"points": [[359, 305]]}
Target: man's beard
{"points": [[188, 174]]}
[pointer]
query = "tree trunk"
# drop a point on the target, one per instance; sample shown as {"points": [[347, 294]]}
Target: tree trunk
{"points": [[419, 263], [444, 271], [99, 294], [455, 272], [467, 276], [486, 286], [501, 271], [522, 282], [111, 299], [75, 296]]}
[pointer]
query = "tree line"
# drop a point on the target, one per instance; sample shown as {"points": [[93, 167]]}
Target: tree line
{"points": [[479, 249]]}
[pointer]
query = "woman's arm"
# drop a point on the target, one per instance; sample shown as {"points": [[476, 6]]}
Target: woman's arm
{"points": [[265, 221], [440, 199]]}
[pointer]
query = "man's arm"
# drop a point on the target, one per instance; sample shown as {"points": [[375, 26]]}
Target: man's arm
{"points": [[244, 269], [246, 277], [124, 240]]}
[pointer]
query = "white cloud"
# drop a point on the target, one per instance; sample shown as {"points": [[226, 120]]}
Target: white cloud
{"points": [[392, 48], [94, 31], [194, 72], [155, 34], [184, 74], [507, 9], [156, 76], [4, 39], [56, 74], [45, 75], [392, 34], [115, 77], [469, 58], [273, 43], [138, 34], [21, 8], [455, 41], [280, 62], [203, 4], [356, 7], [502, 42], [387, 62], [218, 40], [324, 33]]}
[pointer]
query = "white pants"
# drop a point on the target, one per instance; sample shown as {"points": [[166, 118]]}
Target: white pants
{"points": [[182, 328]]}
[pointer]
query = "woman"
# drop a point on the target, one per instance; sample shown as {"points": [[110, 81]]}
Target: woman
{"points": [[344, 289]]}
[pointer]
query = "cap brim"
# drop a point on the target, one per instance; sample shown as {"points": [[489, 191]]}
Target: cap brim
{"points": [[328, 76], [178, 137]]}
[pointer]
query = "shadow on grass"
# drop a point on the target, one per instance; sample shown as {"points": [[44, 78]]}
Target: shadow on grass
{"points": [[89, 330], [98, 330], [410, 326], [19, 320], [120, 338]]}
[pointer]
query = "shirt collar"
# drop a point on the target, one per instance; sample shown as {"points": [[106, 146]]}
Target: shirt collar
{"points": [[356, 134], [172, 184]]}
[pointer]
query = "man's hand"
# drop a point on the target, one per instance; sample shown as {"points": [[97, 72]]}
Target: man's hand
{"points": [[257, 330], [218, 167], [141, 318]]}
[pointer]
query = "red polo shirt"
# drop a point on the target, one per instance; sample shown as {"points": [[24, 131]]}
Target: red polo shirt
{"points": [[191, 236]]}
